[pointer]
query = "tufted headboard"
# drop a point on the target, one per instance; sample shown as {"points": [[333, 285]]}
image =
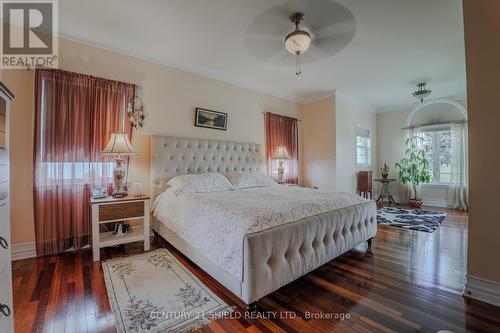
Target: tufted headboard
{"points": [[172, 156]]}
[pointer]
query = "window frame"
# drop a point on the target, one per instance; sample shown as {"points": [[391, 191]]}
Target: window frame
{"points": [[368, 149], [435, 150]]}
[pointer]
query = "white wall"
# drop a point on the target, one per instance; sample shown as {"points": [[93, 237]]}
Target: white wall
{"points": [[391, 150], [348, 116]]}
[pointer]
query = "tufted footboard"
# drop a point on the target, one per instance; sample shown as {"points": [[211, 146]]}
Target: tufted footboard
{"points": [[275, 257]]}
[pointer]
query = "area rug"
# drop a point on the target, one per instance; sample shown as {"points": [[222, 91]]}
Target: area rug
{"points": [[154, 292], [421, 220]]}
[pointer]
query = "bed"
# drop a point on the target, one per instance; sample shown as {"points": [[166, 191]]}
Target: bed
{"points": [[251, 240]]}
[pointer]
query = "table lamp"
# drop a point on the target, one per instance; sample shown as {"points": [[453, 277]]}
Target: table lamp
{"points": [[118, 147], [281, 154]]}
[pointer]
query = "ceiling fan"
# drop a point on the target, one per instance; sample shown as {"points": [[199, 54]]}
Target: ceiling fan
{"points": [[298, 41], [322, 29]]}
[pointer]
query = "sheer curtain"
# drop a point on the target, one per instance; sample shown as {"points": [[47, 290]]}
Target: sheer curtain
{"points": [[74, 117], [282, 131], [408, 133], [458, 188]]}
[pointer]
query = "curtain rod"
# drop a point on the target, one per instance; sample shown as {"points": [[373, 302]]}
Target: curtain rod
{"points": [[437, 124], [75, 73], [266, 112]]}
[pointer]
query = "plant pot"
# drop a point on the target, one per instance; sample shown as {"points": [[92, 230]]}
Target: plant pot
{"points": [[415, 203]]}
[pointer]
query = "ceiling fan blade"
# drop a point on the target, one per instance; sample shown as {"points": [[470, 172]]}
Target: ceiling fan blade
{"points": [[336, 28], [332, 26], [274, 21], [325, 13], [284, 58], [312, 55], [264, 48], [333, 44]]}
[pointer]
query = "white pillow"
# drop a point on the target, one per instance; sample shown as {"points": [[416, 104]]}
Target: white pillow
{"points": [[199, 183], [242, 179]]}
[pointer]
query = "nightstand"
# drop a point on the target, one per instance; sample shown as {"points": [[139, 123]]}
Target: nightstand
{"points": [[111, 209]]}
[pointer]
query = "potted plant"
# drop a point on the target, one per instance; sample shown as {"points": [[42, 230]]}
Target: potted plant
{"points": [[415, 167]]}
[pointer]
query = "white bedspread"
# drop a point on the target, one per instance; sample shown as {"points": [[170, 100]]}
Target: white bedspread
{"points": [[216, 223]]}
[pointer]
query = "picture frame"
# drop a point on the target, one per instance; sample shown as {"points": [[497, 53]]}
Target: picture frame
{"points": [[210, 119], [99, 192]]}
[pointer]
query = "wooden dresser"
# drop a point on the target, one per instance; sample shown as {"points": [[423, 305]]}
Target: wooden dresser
{"points": [[6, 312]]}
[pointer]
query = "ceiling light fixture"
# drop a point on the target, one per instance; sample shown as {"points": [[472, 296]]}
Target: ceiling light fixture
{"points": [[422, 93], [298, 41]]}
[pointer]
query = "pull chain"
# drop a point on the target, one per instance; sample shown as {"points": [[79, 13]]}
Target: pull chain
{"points": [[298, 65]]}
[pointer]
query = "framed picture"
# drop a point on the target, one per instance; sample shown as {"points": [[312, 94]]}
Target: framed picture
{"points": [[99, 192], [210, 119]]}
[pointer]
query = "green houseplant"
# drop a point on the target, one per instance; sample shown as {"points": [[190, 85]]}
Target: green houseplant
{"points": [[414, 168]]}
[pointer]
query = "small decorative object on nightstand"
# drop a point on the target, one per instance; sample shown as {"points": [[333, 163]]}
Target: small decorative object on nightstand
{"points": [[119, 210], [281, 154]]}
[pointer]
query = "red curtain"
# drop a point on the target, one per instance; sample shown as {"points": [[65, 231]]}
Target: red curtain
{"points": [[75, 115], [282, 131]]}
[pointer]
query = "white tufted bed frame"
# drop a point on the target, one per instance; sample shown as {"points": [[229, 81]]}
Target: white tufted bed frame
{"points": [[271, 258]]}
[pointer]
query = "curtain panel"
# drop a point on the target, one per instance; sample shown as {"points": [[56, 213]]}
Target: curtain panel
{"points": [[458, 195], [282, 131], [75, 115]]}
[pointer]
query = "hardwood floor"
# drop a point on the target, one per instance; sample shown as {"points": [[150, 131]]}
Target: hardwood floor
{"points": [[409, 281]]}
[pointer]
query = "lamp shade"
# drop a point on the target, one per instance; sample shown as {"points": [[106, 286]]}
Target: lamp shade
{"points": [[118, 144], [281, 153]]}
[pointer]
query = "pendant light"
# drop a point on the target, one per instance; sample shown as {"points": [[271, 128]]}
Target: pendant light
{"points": [[422, 92]]}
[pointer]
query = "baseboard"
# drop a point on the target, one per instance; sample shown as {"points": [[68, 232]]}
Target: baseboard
{"points": [[426, 202], [482, 290], [23, 251]]}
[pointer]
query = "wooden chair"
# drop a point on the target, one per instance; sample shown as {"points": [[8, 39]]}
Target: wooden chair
{"points": [[365, 184]]}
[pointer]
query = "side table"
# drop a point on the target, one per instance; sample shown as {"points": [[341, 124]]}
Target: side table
{"points": [[385, 193]]}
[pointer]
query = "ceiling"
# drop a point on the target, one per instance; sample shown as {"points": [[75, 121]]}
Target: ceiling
{"points": [[394, 44]]}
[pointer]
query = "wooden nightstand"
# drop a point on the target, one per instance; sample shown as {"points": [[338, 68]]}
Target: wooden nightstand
{"points": [[111, 209]]}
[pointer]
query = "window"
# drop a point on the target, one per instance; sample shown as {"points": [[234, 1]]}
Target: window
{"points": [[282, 131], [363, 147], [75, 115], [439, 139], [83, 173]]}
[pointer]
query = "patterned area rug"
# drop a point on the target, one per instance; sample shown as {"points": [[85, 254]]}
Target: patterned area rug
{"points": [[421, 220], [154, 292]]}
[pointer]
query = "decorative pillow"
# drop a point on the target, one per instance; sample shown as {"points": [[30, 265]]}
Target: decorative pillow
{"points": [[242, 179], [199, 183]]}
